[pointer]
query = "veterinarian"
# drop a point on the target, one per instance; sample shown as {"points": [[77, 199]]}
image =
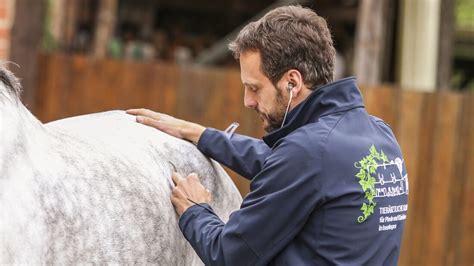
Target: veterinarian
{"points": [[328, 181]]}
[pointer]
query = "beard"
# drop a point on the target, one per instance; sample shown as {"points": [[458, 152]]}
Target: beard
{"points": [[273, 119]]}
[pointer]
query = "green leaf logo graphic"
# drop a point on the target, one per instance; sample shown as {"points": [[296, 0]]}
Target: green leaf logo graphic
{"points": [[368, 166]]}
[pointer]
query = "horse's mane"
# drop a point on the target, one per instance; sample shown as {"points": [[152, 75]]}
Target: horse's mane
{"points": [[12, 84]]}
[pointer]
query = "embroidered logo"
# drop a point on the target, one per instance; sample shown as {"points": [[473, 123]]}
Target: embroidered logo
{"points": [[368, 166], [379, 178]]}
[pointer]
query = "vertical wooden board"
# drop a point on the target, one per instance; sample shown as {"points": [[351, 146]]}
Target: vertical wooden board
{"points": [[409, 126], [43, 87], [414, 240], [163, 90], [192, 94], [111, 82], [52, 94], [136, 82], [90, 86], [118, 85], [73, 91], [441, 179], [214, 110], [383, 102], [368, 96], [79, 85], [458, 181], [149, 90], [208, 101], [71, 97], [185, 78], [465, 241], [65, 79], [100, 93], [233, 97]]}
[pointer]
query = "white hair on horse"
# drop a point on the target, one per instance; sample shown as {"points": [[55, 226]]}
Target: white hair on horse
{"points": [[94, 188]]}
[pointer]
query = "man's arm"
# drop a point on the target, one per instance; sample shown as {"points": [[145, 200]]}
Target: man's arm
{"points": [[284, 194], [244, 155]]}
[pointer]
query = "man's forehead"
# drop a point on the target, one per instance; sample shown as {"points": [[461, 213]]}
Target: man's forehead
{"points": [[250, 71]]}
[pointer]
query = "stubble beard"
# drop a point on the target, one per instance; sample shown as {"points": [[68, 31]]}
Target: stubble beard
{"points": [[272, 120]]}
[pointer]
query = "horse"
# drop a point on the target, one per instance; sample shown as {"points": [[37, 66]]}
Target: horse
{"points": [[95, 188]]}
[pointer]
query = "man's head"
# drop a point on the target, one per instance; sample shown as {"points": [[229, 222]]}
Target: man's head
{"points": [[291, 47]]}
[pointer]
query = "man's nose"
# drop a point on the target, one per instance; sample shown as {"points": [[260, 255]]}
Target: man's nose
{"points": [[249, 100]]}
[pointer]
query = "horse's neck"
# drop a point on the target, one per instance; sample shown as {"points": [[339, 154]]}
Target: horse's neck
{"points": [[22, 136]]}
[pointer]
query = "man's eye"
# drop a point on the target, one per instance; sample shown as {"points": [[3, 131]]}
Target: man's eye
{"points": [[253, 89]]}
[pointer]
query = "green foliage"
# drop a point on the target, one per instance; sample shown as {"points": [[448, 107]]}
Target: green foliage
{"points": [[49, 43], [464, 14], [368, 166]]}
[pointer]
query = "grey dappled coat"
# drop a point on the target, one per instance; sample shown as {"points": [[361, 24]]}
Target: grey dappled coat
{"points": [[94, 188]]}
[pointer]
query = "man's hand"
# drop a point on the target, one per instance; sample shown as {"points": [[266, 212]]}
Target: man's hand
{"points": [[187, 190], [175, 127]]}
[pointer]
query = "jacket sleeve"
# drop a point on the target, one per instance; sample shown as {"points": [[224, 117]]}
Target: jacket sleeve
{"points": [[244, 155], [283, 196]]}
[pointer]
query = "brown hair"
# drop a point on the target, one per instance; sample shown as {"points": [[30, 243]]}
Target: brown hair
{"points": [[290, 37]]}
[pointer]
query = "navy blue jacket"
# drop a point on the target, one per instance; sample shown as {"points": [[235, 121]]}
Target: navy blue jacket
{"points": [[330, 187]]}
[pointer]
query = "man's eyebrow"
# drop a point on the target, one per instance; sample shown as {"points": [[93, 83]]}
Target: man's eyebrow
{"points": [[251, 84]]}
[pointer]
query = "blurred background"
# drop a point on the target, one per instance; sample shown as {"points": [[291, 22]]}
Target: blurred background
{"points": [[414, 61]]}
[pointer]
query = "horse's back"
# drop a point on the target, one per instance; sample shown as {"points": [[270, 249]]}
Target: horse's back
{"points": [[108, 197]]}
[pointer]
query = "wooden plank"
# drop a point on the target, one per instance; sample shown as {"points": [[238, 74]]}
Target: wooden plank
{"points": [[409, 127], [43, 87], [384, 102], [465, 239], [414, 242], [212, 106], [163, 91], [440, 184], [52, 90], [83, 87], [456, 194]]}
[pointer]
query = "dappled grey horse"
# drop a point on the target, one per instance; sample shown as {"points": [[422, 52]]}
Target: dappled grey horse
{"points": [[94, 188]]}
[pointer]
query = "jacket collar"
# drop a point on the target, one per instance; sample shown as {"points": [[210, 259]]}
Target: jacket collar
{"points": [[338, 96]]}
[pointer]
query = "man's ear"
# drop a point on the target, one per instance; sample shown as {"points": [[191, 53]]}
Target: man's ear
{"points": [[295, 81]]}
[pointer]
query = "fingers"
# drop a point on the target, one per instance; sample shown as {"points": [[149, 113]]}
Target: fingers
{"points": [[188, 191], [177, 178], [193, 177], [149, 122], [179, 199], [178, 194], [144, 112]]}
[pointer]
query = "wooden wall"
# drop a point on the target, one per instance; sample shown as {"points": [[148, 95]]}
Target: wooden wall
{"points": [[435, 130]]}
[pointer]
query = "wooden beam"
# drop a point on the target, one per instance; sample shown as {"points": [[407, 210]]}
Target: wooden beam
{"points": [[106, 17], [27, 33], [446, 40], [370, 41], [419, 34]]}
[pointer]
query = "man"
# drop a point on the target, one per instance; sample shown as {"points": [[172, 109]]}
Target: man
{"points": [[328, 184]]}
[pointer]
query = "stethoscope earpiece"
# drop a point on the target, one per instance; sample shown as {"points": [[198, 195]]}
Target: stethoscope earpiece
{"points": [[290, 90]]}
